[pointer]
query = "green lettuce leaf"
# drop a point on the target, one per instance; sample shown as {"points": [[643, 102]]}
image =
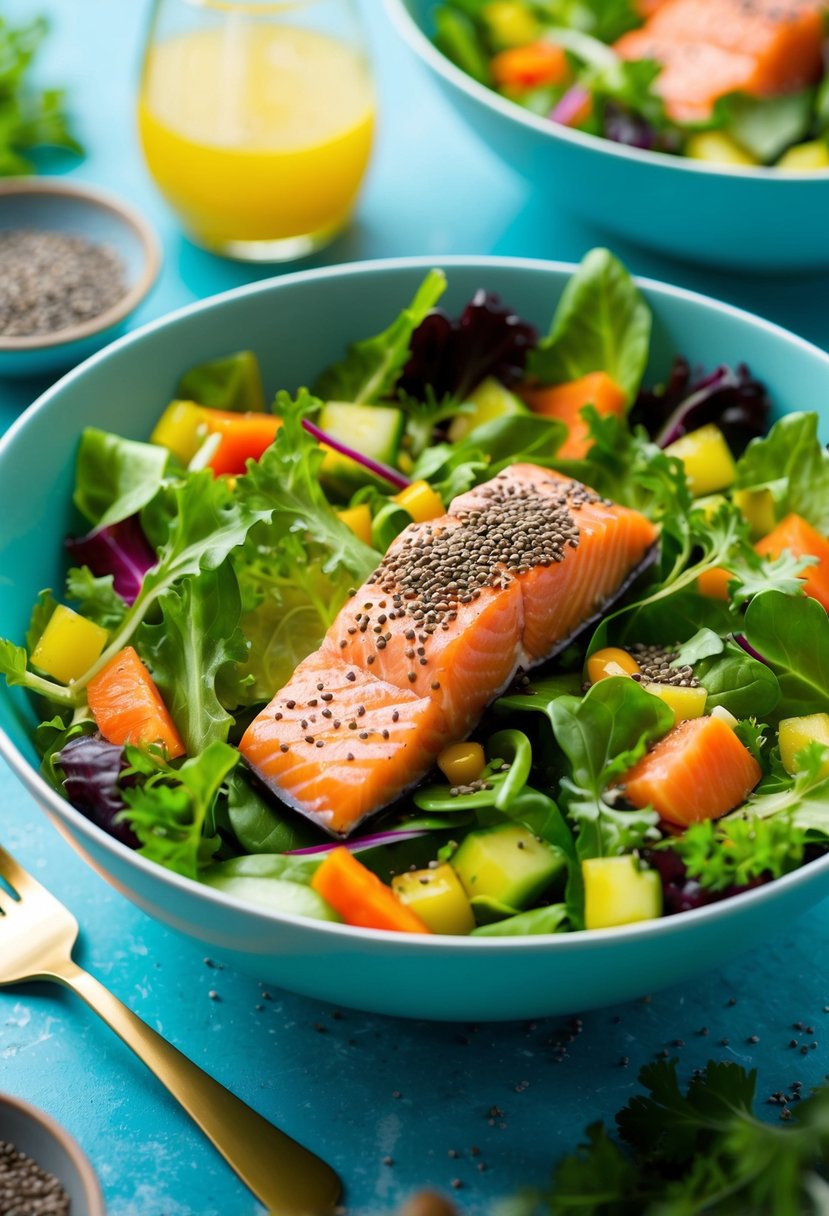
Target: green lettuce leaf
{"points": [[196, 637], [552, 919], [793, 465], [766, 126], [231, 383], [602, 323], [95, 597], [372, 366]]}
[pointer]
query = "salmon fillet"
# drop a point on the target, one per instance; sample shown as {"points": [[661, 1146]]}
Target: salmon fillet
{"points": [[709, 48], [504, 579]]}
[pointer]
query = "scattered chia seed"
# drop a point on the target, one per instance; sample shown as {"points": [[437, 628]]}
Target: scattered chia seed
{"points": [[51, 281], [26, 1189]]}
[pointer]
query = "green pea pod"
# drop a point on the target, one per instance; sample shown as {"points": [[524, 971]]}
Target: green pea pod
{"points": [[514, 747]]}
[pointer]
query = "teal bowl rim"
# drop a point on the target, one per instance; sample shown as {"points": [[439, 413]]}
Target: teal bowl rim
{"points": [[102, 200], [592, 939], [93, 1196], [413, 35]]}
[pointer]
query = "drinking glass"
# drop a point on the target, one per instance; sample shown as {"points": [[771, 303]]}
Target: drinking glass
{"points": [[256, 120]]}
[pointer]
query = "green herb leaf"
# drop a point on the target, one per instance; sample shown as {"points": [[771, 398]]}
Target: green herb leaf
{"points": [[720, 856], [45, 605], [169, 807], [602, 323], [551, 919], [96, 598], [29, 117], [371, 367], [803, 799]]}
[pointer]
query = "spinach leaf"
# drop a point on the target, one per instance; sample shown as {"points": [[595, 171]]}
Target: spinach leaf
{"points": [[115, 477], [602, 735], [766, 126], [792, 635], [261, 826], [552, 919], [231, 383], [703, 645], [738, 683], [187, 649], [793, 465], [602, 323], [371, 367]]}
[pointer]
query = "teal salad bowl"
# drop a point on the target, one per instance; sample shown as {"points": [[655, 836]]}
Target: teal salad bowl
{"points": [[296, 325], [743, 218]]}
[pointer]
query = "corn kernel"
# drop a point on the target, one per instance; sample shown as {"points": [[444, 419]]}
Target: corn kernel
{"points": [[69, 645], [421, 501], [358, 519], [611, 661], [461, 763]]}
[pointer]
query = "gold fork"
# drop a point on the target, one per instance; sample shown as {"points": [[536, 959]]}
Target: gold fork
{"points": [[37, 934]]}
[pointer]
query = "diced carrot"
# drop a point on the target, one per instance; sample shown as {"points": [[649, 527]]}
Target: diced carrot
{"points": [[699, 770], [527, 67], [565, 401], [714, 583], [244, 437], [360, 897], [127, 706], [802, 540]]}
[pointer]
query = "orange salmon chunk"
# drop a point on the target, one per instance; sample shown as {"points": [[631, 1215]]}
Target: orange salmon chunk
{"points": [[438, 631], [699, 770]]}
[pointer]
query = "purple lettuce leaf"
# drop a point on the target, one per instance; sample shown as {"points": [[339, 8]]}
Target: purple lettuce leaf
{"points": [[91, 768], [374, 841], [625, 127], [121, 550], [451, 357], [729, 397]]}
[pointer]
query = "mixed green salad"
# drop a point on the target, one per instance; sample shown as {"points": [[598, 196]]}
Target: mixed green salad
{"points": [[726, 81], [675, 754]]}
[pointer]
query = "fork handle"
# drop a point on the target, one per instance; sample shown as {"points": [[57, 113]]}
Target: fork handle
{"points": [[283, 1175]]}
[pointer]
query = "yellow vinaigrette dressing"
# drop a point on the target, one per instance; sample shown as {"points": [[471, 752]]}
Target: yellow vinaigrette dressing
{"points": [[257, 133]]}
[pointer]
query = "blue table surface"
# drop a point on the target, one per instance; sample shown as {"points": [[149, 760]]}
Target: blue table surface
{"points": [[360, 1089]]}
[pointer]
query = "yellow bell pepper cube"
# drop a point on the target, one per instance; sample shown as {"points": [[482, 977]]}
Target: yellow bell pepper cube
{"points": [[69, 645], [181, 429], [510, 23], [796, 733], [438, 898], [358, 519], [421, 501], [718, 148], [461, 763], [618, 892], [709, 465], [806, 158], [685, 702], [758, 511], [611, 661]]}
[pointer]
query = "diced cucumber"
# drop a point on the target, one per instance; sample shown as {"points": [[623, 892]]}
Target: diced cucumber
{"points": [[372, 430], [491, 400]]}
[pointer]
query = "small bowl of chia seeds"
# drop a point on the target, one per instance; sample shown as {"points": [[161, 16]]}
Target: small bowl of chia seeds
{"points": [[42, 1170], [74, 264]]}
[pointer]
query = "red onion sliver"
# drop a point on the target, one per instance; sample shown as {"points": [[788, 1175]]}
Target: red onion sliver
{"points": [[374, 466]]}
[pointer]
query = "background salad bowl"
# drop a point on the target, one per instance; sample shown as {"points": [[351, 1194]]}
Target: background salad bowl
{"points": [[745, 218], [480, 978]]}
